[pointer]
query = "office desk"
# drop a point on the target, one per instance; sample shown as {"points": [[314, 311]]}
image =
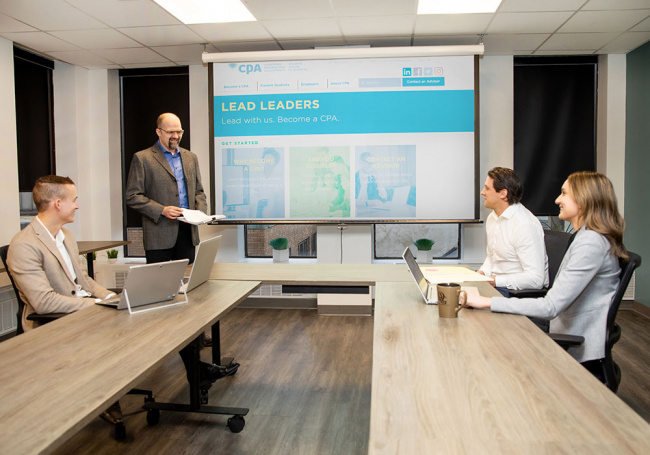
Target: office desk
{"points": [[484, 383], [55, 379], [88, 247]]}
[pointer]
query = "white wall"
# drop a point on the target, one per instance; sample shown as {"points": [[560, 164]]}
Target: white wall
{"points": [[610, 140], [9, 151]]}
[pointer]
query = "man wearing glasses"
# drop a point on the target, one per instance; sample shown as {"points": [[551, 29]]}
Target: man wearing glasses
{"points": [[165, 179]]}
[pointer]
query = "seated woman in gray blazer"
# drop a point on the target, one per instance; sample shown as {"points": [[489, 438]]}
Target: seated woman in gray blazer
{"points": [[578, 302]]}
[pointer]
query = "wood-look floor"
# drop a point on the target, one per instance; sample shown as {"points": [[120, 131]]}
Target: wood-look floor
{"points": [[306, 380]]}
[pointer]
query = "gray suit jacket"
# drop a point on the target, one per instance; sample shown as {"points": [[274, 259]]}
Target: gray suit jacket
{"points": [[42, 277], [151, 186], [579, 300]]}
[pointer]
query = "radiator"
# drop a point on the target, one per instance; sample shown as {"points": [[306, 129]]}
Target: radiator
{"points": [[8, 309]]}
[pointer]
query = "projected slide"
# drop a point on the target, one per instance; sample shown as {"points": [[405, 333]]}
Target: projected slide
{"points": [[366, 139]]}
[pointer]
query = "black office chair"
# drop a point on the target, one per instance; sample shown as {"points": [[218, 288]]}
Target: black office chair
{"points": [[611, 370], [114, 414], [556, 242]]}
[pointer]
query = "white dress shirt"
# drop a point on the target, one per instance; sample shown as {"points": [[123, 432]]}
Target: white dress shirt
{"points": [[516, 254]]}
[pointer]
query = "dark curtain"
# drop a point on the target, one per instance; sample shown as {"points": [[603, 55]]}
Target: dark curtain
{"points": [[147, 93], [554, 125], [34, 117]]}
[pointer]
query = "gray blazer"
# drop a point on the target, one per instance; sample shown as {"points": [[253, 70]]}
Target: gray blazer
{"points": [[151, 186], [579, 300], [42, 277]]}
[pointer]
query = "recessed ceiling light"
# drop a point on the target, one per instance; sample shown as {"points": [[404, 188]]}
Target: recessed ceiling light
{"points": [[207, 11], [457, 6]]}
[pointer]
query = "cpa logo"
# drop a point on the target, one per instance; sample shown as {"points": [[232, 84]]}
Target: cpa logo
{"points": [[406, 71], [249, 68]]}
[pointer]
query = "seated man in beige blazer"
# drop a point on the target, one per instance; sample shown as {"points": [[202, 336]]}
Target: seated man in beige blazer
{"points": [[44, 262]]}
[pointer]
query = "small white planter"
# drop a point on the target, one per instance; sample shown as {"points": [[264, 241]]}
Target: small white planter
{"points": [[424, 257], [281, 255], [112, 260]]}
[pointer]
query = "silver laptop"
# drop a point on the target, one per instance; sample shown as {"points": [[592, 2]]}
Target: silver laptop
{"points": [[202, 267], [427, 289], [148, 284]]}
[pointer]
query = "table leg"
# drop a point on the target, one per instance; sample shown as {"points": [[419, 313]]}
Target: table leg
{"points": [[216, 347], [91, 268]]}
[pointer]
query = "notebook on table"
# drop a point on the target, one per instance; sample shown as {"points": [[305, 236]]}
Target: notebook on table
{"points": [[203, 262], [427, 289], [148, 284]]}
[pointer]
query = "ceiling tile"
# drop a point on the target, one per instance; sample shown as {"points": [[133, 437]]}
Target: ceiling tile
{"points": [[564, 52], [248, 46], [642, 27], [80, 58], [313, 28], [513, 6], [626, 42], [10, 25], [365, 8], [377, 25], [445, 40], [126, 13], [311, 43], [616, 4], [528, 22], [165, 35], [39, 41], [512, 43], [49, 15], [126, 56], [577, 41], [96, 39], [190, 52], [382, 41], [247, 31], [264, 10], [601, 21], [457, 24]]}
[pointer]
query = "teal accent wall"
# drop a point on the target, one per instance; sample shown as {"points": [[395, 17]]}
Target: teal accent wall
{"points": [[637, 166]]}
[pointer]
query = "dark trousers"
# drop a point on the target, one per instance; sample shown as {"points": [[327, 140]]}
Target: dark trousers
{"points": [[595, 367], [183, 249]]}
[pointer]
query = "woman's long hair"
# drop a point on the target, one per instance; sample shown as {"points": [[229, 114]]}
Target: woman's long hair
{"points": [[594, 194]]}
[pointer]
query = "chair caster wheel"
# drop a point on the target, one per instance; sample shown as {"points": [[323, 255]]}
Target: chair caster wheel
{"points": [[153, 417], [120, 432], [204, 396], [236, 424]]}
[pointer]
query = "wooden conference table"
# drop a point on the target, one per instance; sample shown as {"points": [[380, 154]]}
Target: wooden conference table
{"points": [[55, 379], [483, 383]]}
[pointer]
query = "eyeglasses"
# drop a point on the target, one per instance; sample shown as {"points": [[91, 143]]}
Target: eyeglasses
{"points": [[179, 132]]}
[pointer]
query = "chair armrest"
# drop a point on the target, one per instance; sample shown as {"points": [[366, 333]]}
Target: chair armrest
{"points": [[45, 318], [566, 341], [527, 293]]}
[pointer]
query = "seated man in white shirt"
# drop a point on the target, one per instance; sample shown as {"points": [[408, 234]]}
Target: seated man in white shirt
{"points": [[516, 254]]}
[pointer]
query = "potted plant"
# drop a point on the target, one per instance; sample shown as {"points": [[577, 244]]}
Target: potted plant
{"points": [[112, 256], [424, 250], [280, 249]]}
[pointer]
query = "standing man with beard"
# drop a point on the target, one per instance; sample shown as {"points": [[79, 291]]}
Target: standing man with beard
{"points": [[165, 179]]}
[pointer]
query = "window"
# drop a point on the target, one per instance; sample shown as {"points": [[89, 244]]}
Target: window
{"points": [[34, 125], [302, 239]]}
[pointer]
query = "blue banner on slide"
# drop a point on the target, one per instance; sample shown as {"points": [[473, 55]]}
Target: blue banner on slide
{"points": [[344, 113]]}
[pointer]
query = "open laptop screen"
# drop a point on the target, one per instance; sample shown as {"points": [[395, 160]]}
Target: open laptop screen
{"points": [[415, 270]]}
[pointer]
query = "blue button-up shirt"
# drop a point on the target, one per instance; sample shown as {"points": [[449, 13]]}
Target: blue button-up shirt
{"points": [[177, 167]]}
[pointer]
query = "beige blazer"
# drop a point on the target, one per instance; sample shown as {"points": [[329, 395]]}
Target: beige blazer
{"points": [[151, 186], [42, 277]]}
